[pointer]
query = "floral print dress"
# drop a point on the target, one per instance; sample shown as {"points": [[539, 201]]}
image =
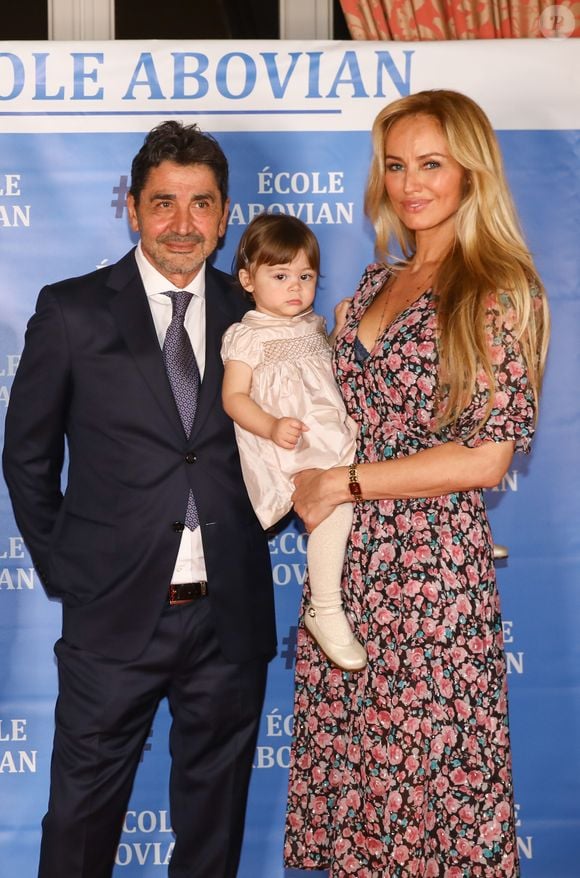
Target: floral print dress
{"points": [[404, 769]]}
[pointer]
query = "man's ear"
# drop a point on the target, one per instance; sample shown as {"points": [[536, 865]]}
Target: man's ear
{"points": [[224, 220], [132, 213]]}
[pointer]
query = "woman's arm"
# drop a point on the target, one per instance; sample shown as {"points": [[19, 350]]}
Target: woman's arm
{"points": [[247, 414], [440, 470]]}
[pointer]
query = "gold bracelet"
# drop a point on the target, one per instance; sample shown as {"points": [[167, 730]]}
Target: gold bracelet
{"points": [[354, 484]]}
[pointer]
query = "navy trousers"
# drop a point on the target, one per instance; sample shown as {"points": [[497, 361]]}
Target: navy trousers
{"points": [[104, 712]]}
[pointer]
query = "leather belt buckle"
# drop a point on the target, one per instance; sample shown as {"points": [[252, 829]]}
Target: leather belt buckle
{"points": [[186, 592]]}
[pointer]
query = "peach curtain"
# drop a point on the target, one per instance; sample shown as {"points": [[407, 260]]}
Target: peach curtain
{"points": [[460, 19]]}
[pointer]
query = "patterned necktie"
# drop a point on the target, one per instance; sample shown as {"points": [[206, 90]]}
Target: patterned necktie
{"points": [[183, 374]]}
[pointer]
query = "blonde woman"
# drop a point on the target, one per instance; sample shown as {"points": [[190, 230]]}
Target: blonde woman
{"points": [[405, 769]]}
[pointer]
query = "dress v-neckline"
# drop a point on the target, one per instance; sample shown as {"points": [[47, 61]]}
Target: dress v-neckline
{"points": [[386, 329]]}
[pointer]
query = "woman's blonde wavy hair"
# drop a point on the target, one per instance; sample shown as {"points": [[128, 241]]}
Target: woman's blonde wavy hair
{"points": [[488, 255]]}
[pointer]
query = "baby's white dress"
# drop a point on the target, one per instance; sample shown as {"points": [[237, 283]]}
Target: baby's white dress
{"points": [[292, 377]]}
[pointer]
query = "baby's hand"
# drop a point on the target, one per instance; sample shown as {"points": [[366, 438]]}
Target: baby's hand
{"points": [[287, 431], [340, 316], [340, 312]]}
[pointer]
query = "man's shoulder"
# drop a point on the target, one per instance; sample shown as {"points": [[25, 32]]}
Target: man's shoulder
{"points": [[115, 276], [220, 278], [231, 295]]}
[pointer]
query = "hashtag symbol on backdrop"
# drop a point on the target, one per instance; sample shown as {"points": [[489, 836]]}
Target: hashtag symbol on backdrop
{"points": [[121, 191], [289, 654]]}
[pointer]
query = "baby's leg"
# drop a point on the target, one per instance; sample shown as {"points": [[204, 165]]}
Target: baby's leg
{"points": [[325, 618]]}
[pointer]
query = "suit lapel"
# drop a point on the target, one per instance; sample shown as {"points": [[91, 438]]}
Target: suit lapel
{"points": [[133, 315]]}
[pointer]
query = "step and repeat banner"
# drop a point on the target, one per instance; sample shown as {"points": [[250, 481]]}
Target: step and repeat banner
{"points": [[294, 120]]}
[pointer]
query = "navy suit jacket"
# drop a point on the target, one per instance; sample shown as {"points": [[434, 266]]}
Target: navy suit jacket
{"points": [[92, 373]]}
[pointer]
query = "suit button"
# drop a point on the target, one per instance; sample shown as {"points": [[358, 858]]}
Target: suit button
{"points": [[190, 457], [178, 526]]}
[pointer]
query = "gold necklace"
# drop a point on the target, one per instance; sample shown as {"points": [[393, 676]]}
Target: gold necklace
{"points": [[406, 302]]}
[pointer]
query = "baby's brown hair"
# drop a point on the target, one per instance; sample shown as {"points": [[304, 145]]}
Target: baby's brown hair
{"points": [[276, 239]]}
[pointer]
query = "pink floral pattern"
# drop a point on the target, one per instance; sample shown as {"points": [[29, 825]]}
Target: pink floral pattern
{"points": [[404, 769], [454, 19]]}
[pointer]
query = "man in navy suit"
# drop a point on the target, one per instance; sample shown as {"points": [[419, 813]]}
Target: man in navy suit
{"points": [[153, 606]]}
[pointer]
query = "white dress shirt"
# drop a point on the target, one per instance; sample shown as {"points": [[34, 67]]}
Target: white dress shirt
{"points": [[190, 564]]}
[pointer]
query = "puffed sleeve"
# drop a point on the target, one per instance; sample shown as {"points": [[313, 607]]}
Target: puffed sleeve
{"points": [[239, 343], [513, 410]]}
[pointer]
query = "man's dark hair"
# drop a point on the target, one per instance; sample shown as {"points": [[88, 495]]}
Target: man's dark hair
{"points": [[183, 144]]}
